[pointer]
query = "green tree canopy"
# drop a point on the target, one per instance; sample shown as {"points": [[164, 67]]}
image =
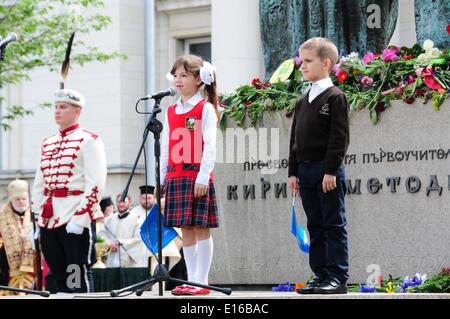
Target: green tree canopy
{"points": [[44, 28]]}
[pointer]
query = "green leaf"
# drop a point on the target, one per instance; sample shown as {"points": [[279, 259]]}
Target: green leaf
{"points": [[223, 121], [373, 117], [440, 82], [438, 99], [297, 75], [437, 61], [239, 117], [419, 81]]}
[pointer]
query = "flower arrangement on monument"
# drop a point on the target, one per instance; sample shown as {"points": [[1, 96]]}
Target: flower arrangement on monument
{"points": [[370, 82]]}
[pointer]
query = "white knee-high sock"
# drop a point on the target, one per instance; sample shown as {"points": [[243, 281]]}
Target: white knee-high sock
{"points": [[190, 257], [204, 259]]}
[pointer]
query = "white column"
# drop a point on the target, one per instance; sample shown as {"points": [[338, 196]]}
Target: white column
{"points": [[405, 30], [149, 38], [236, 42]]}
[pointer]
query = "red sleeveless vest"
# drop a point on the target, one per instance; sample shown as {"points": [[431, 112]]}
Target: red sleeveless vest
{"points": [[185, 141]]}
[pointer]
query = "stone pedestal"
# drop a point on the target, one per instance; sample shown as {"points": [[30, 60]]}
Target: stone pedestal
{"points": [[400, 226]]}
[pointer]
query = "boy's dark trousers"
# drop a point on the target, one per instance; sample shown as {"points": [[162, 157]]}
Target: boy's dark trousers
{"points": [[328, 253]]}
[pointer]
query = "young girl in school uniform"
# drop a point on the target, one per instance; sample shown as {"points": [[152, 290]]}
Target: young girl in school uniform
{"points": [[188, 153]]}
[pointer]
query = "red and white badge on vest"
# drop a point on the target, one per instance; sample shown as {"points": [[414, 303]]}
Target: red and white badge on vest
{"points": [[191, 122]]}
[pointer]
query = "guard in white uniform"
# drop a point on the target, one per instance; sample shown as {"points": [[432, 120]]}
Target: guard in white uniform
{"points": [[67, 189]]}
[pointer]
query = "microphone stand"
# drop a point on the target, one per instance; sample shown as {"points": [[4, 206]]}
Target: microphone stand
{"points": [[161, 273], [27, 291], [2, 51]]}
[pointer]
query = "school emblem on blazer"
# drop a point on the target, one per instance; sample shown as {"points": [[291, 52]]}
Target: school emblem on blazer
{"points": [[190, 122], [325, 109]]}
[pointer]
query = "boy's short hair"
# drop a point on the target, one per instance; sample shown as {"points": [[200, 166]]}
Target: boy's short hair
{"points": [[325, 49]]}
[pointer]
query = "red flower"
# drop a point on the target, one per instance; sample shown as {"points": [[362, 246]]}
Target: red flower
{"points": [[342, 76], [246, 104], [376, 56], [411, 79], [266, 84], [419, 92], [429, 80], [433, 84], [448, 28], [381, 107], [407, 57], [409, 99], [256, 83]]}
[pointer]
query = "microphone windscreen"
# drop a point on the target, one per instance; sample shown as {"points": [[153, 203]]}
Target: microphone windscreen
{"points": [[13, 36], [173, 91]]}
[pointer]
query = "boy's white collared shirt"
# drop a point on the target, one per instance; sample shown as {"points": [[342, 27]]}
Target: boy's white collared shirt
{"points": [[318, 87], [209, 132]]}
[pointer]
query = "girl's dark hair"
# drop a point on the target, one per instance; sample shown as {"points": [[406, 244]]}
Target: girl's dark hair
{"points": [[192, 64]]}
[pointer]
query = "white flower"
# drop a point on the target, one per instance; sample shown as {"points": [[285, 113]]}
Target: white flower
{"points": [[422, 58], [428, 45], [434, 52], [352, 57], [423, 278]]}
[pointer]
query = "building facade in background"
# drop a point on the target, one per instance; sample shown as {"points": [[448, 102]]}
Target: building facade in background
{"points": [[226, 32]]}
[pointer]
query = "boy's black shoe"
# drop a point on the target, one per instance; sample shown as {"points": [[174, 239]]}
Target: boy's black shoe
{"points": [[331, 286], [310, 286]]}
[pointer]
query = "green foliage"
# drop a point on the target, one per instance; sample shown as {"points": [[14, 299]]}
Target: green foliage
{"points": [[387, 286], [439, 283], [100, 240], [43, 28], [248, 102]]}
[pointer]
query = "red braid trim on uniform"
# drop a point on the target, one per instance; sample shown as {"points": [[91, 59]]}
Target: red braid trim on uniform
{"points": [[92, 200], [93, 135]]}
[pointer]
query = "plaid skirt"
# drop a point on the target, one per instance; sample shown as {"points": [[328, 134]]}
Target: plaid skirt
{"points": [[182, 209]]}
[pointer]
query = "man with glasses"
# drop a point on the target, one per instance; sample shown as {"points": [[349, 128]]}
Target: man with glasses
{"points": [[67, 189]]}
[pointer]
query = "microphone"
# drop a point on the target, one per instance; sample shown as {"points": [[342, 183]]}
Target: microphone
{"points": [[9, 38], [161, 94]]}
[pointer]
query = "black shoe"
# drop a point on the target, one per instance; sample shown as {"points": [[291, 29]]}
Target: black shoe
{"points": [[310, 286], [331, 286]]}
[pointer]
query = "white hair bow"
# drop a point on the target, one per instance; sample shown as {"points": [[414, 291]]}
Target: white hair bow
{"points": [[170, 77], [207, 73]]}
